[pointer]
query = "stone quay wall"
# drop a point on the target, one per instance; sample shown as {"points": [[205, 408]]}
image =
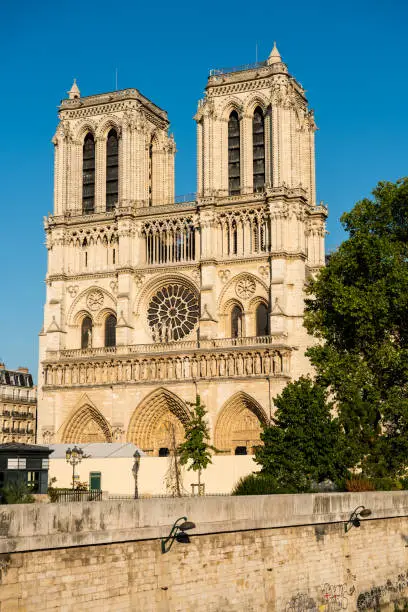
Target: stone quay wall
{"points": [[284, 553]]}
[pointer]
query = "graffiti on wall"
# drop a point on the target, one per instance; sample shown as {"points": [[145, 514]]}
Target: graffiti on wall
{"points": [[301, 602], [392, 590]]}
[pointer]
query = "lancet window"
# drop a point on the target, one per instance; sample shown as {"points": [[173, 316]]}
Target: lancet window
{"points": [[243, 232], [170, 241], [88, 175], [262, 320], [86, 333], [112, 170], [236, 322], [258, 139], [234, 170], [110, 331]]}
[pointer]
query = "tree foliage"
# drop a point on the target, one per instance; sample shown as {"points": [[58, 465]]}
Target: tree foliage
{"points": [[196, 449], [305, 444], [358, 308]]}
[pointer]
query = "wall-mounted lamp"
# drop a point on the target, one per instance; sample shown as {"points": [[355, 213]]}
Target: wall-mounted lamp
{"points": [[355, 516], [178, 532]]}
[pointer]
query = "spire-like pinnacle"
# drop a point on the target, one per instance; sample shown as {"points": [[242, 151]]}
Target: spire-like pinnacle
{"points": [[274, 56], [74, 91]]}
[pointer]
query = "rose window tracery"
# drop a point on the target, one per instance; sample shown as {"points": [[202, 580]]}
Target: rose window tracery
{"points": [[172, 313], [95, 299], [245, 287]]}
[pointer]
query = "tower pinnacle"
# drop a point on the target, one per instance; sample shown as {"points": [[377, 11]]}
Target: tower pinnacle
{"points": [[74, 91], [274, 56]]}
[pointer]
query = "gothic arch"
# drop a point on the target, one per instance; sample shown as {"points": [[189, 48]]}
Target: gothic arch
{"points": [[88, 126], [226, 293], [86, 424], [239, 423], [233, 104], [156, 283], [77, 305], [253, 102], [108, 124], [150, 422]]}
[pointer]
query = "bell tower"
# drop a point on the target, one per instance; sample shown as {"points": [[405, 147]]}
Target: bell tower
{"points": [[255, 131]]}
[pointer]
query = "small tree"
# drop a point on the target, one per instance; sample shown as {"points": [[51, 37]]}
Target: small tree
{"points": [[195, 450], [306, 443]]}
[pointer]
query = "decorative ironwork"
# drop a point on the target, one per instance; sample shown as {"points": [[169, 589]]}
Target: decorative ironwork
{"points": [[220, 71], [172, 313]]}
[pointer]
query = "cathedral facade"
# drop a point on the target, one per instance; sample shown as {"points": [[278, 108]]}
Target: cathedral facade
{"points": [[151, 299]]}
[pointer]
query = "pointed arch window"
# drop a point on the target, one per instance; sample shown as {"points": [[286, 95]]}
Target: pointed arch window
{"points": [[262, 320], [258, 139], [112, 170], [110, 331], [151, 173], [236, 322], [88, 175], [86, 333], [234, 145]]}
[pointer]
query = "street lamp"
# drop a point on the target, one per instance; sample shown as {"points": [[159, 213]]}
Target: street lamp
{"points": [[178, 532], [73, 457], [354, 520]]}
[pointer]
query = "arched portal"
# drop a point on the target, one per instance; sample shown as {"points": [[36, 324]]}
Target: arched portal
{"points": [[86, 425], [239, 424], [158, 422]]}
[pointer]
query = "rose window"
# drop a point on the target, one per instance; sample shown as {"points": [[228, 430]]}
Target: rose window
{"points": [[172, 313]]}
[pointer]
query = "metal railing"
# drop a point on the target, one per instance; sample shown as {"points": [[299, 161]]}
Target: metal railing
{"points": [[71, 495], [220, 71], [182, 345]]}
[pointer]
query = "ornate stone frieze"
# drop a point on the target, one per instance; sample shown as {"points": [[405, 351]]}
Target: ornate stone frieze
{"points": [[199, 365]]}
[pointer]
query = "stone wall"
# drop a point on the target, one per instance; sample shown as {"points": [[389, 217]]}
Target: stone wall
{"points": [[277, 553]]}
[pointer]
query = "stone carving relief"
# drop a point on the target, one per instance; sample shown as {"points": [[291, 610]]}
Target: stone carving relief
{"points": [[95, 299], [72, 290], [224, 275], [245, 287], [264, 271], [114, 286], [179, 367]]}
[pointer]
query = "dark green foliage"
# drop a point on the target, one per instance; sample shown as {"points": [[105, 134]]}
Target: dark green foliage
{"points": [[17, 492], [259, 484], [305, 444], [359, 309], [195, 450]]}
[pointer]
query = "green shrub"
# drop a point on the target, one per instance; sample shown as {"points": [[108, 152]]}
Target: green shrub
{"points": [[259, 484], [17, 492]]}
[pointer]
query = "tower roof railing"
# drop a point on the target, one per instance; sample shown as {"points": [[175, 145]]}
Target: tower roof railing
{"points": [[220, 71]]}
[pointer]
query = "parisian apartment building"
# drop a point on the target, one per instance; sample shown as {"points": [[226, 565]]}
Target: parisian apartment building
{"points": [[18, 406]]}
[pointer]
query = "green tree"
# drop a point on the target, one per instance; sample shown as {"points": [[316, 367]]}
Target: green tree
{"points": [[196, 450], [359, 310], [305, 442]]}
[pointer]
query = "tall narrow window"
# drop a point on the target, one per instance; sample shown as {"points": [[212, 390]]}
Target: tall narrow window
{"points": [[86, 333], [110, 331], [262, 320], [151, 174], [236, 322], [88, 175], [234, 171], [112, 170], [258, 134]]}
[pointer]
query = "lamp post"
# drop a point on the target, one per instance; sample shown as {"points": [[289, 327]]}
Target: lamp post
{"points": [[177, 532], [73, 457], [354, 520]]}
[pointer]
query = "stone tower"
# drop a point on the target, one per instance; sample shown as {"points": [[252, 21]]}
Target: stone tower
{"points": [[151, 300]]}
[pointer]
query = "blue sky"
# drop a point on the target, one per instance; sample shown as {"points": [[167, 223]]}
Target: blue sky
{"points": [[351, 57]]}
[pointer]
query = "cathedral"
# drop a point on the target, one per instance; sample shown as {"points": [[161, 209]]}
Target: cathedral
{"points": [[150, 298]]}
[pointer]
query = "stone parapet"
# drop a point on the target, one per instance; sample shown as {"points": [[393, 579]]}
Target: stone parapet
{"points": [[45, 526]]}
